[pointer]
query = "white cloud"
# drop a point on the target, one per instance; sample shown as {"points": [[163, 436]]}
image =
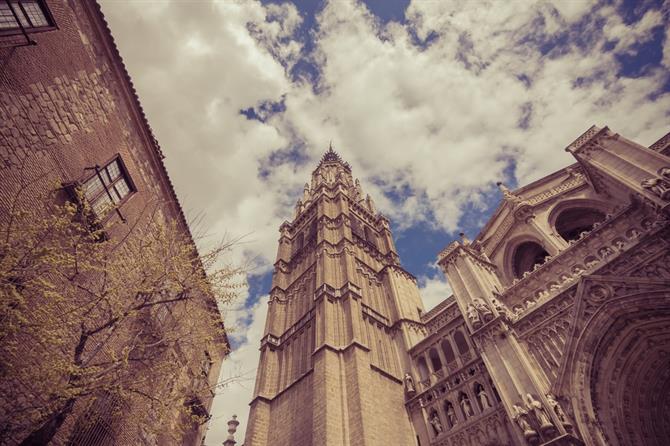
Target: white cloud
{"points": [[433, 291]]}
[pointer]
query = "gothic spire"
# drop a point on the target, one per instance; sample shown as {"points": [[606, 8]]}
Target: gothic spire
{"points": [[332, 156]]}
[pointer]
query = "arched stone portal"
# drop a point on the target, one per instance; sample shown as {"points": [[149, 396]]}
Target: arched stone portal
{"points": [[620, 370]]}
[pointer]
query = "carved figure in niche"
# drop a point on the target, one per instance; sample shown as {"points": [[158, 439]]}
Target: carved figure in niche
{"points": [[605, 252], [409, 383], [435, 422], [473, 315], [664, 172], [484, 398], [521, 418], [541, 415], [565, 278], [466, 407], [500, 307], [483, 309], [558, 410], [657, 186], [619, 244], [451, 415], [591, 262]]}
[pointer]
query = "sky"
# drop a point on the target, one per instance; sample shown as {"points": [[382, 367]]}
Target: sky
{"points": [[431, 102]]}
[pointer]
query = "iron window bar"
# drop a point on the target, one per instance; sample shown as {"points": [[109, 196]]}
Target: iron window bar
{"points": [[29, 41], [107, 191]]}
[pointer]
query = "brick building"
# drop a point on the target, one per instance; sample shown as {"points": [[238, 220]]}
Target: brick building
{"points": [[557, 332], [69, 115]]}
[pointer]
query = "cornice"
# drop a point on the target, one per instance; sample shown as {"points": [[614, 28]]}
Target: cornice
{"points": [[586, 139]]}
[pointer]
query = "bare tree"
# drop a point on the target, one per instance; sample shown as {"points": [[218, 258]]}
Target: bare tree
{"points": [[86, 317]]}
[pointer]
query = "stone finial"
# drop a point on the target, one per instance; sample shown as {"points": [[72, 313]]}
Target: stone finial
{"points": [[508, 195], [232, 428], [305, 193], [464, 238], [371, 205]]}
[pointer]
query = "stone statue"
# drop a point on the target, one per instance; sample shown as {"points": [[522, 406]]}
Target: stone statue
{"points": [[657, 186], [536, 408], [565, 278], [484, 398], [409, 383], [558, 410], [437, 425], [483, 309], [473, 315], [451, 415], [508, 195], [466, 406], [664, 172], [520, 416], [605, 252], [500, 307]]}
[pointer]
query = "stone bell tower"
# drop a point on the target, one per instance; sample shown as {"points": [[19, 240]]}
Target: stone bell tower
{"points": [[342, 315]]}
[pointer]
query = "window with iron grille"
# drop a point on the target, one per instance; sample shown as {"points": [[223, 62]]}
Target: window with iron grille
{"points": [[107, 188], [18, 16], [98, 424]]}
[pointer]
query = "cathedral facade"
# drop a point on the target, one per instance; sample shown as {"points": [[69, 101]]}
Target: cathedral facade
{"points": [[558, 331]]}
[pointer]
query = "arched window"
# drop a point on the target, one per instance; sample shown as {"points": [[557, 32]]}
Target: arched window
{"points": [[435, 359], [448, 351], [461, 343], [298, 242], [423, 368], [572, 222], [526, 256], [370, 236]]}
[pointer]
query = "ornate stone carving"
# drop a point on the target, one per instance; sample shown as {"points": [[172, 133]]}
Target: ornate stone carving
{"points": [[558, 410], [464, 401], [473, 316], [484, 398], [657, 186], [451, 415], [535, 407], [483, 309], [436, 423], [522, 419], [409, 384]]}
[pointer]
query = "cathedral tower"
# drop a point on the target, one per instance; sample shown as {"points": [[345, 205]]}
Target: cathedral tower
{"points": [[342, 315]]}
